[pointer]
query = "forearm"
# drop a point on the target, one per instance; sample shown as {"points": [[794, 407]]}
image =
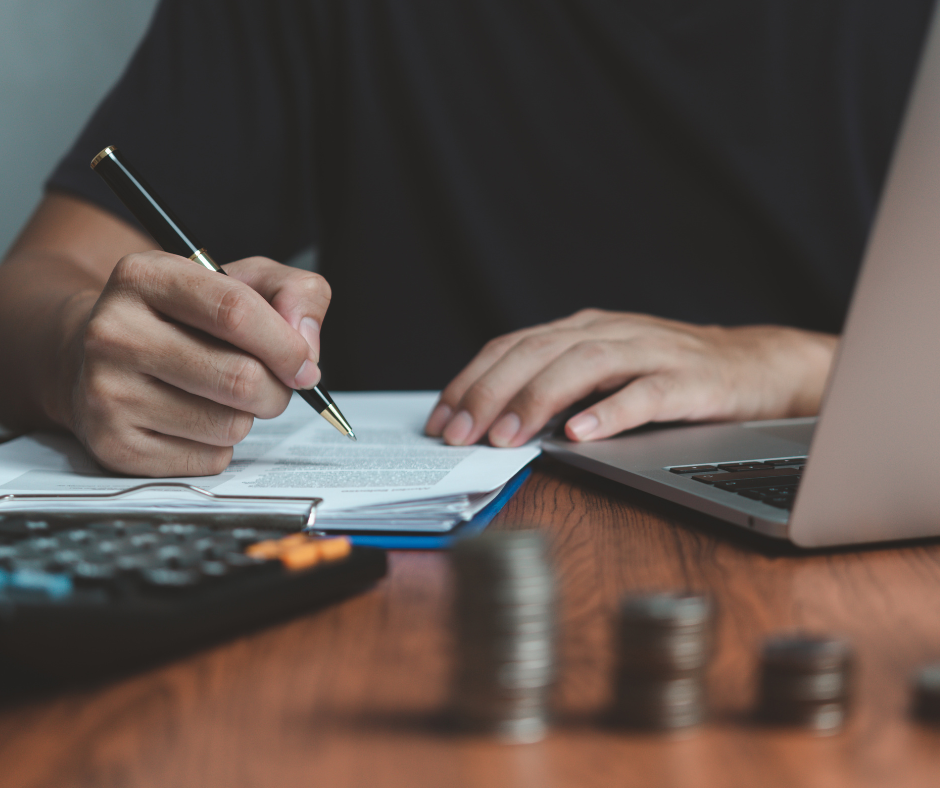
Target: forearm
{"points": [[45, 300]]}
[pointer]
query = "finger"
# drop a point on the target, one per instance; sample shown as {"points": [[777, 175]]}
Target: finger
{"points": [[586, 367], [169, 411], [488, 396], [221, 306], [300, 297], [141, 452], [183, 358], [660, 397], [497, 348], [450, 397]]}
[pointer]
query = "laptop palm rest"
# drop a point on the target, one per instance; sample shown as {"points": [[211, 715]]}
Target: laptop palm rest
{"points": [[639, 459]]}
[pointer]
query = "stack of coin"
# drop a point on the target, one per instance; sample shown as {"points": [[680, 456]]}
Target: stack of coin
{"points": [[504, 621], [663, 644], [806, 681], [927, 694]]}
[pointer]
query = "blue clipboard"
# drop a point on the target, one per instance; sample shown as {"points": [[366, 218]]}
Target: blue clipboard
{"points": [[398, 541]]}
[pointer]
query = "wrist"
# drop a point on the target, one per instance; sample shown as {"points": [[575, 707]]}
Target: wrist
{"points": [[812, 354]]}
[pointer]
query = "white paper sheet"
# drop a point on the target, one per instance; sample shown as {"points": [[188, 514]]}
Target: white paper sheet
{"points": [[393, 478]]}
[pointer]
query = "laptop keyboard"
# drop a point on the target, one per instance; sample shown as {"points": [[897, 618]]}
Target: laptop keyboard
{"points": [[773, 482]]}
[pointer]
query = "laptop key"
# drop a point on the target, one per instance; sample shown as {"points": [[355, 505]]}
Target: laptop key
{"points": [[749, 484], [769, 473], [693, 469], [743, 466], [787, 461]]}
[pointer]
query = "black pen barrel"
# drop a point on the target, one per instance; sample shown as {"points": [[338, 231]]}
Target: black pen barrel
{"points": [[145, 204], [168, 231]]}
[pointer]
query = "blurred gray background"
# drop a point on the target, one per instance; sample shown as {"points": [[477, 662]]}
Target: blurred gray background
{"points": [[58, 58]]}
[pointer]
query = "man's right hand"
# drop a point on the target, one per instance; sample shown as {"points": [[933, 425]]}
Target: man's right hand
{"points": [[161, 369], [175, 360]]}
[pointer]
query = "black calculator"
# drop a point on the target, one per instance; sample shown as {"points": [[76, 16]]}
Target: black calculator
{"points": [[79, 603]]}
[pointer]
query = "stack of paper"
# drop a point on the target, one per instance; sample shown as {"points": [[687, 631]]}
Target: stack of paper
{"points": [[393, 479]]}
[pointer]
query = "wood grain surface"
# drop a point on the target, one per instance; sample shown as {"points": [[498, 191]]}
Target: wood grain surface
{"points": [[352, 695]]}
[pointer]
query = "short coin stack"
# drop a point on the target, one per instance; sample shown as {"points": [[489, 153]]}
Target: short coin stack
{"points": [[806, 681], [663, 644], [504, 618]]}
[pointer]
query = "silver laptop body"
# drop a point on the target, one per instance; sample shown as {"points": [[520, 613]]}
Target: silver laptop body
{"points": [[873, 472]]}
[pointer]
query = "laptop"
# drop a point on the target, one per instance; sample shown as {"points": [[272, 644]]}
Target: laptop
{"points": [[867, 469]]}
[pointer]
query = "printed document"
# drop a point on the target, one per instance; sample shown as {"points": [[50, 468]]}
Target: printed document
{"points": [[393, 478]]}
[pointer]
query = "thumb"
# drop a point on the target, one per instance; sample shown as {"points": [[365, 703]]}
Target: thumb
{"points": [[300, 297]]}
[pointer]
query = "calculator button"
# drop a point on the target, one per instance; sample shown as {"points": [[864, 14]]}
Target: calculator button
{"points": [[178, 556], [62, 559], [44, 584], [248, 536], [161, 577], [216, 546], [215, 568], [18, 527], [145, 539], [94, 571]]}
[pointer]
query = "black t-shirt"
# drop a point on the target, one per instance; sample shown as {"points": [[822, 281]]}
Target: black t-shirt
{"points": [[470, 167]]}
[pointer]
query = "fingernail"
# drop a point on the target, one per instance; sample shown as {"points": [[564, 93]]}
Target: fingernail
{"points": [[583, 425], [310, 330], [458, 428], [438, 418], [505, 429], [307, 376]]}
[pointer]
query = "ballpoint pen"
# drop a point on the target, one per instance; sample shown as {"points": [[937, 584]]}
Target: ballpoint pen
{"points": [[173, 237]]}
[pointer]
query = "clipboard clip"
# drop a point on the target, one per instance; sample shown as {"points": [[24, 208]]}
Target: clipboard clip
{"points": [[188, 503]]}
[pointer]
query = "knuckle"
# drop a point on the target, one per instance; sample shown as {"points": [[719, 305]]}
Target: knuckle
{"points": [[316, 286], [242, 380], [232, 309], [274, 405], [103, 334], [501, 344], [657, 388], [536, 344], [481, 395], [112, 449], [101, 395], [595, 352], [589, 314], [535, 400], [238, 426], [129, 270], [209, 461]]}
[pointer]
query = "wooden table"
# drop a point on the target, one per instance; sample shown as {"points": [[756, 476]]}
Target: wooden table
{"points": [[351, 695]]}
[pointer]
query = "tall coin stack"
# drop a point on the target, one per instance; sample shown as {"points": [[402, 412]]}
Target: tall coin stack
{"points": [[663, 645], [806, 681], [504, 620]]}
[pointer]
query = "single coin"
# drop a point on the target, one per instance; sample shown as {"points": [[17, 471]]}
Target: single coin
{"points": [[663, 655], [819, 717], [659, 719], [660, 693], [506, 649], [780, 687], [680, 609], [805, 653]]}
